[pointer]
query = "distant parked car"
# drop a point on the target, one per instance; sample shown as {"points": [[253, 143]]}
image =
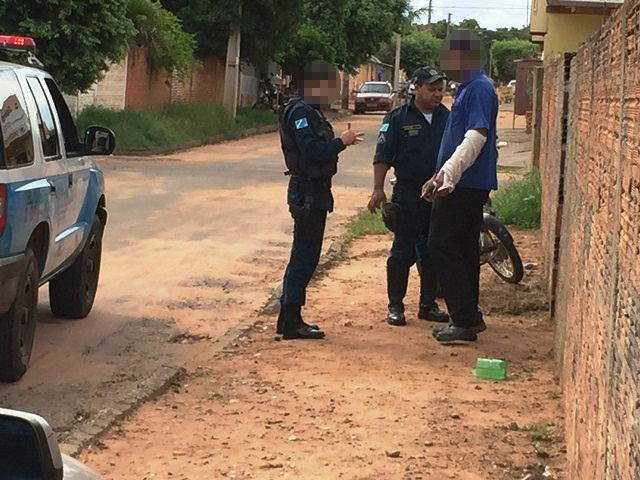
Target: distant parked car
{"points": [[512, 85], [52, 206], [375, 96]]}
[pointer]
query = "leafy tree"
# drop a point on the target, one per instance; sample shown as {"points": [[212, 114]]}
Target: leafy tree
{"points": [[419, 49], [308, 43], [160, 31], [506, 52], [75, 40], [438, 29], [367, 24], [209, 20], [265, 25]]}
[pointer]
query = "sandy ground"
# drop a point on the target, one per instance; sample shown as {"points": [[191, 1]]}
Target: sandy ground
{"points": [[369, 402], [194, 244]]}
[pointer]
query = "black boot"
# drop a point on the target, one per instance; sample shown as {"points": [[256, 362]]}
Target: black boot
{"points": [[294, 327], [280, 324], [431, 312], [397, 281]]}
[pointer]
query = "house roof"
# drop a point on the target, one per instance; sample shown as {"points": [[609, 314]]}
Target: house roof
{"points": [[585, 3]]}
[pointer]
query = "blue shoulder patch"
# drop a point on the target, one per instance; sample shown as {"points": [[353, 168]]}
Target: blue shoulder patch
{"points": [[385, 127], [302, 123]]}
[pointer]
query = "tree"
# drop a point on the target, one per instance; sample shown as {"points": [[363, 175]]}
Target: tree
{"points": [[160, 31], [265, 25], [419, 49], [308, 43], [75, 40], [506, 52]]}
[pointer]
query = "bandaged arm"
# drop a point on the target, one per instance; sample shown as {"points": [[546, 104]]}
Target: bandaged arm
{"points": [[462, 159]]}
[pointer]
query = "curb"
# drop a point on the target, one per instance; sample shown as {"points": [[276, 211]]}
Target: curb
{"points": [[147, 152], [87, 432]]}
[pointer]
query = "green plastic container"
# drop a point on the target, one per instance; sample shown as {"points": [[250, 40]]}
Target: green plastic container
{"points": [[491, 368]]}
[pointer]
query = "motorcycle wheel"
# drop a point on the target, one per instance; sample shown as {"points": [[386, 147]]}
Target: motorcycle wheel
{"points": [[504, 259]]}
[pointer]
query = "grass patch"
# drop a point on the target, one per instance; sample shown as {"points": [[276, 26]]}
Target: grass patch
{"points": [[518, 203], [540, 432], [173, 125], [365, 223]]}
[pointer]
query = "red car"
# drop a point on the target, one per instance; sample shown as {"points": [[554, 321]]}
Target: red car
{"points": [[375, 96]]}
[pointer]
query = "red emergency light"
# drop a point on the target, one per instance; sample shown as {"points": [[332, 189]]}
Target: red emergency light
{"points": [[16, 43]]}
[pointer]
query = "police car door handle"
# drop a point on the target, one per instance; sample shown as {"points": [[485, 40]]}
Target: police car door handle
{"points": [[70, 180], [52, 186]]}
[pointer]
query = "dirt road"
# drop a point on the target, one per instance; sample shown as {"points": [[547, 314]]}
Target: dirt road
{"points": [[369, 402], [194, 244]]}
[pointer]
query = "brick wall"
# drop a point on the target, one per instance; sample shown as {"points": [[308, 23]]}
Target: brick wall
{"points": [[145, 88], [205, 85], [597, 298]]}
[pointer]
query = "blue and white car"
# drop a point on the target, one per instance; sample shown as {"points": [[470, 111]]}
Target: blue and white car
{"points": [[52, 206]]}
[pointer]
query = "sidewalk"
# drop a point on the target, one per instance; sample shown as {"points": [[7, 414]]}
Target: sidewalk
{"points": [[368, 402]]}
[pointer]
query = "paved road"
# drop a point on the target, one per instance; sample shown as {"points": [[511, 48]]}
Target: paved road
{"points": [[194, 244]]}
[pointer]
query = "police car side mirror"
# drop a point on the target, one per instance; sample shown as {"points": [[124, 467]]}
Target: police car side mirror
{"points": [[99, 141], [28, 447]]}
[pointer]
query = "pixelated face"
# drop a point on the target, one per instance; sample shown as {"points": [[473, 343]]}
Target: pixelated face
{"points": [[321, 84], [463, 55], [430, 94]]}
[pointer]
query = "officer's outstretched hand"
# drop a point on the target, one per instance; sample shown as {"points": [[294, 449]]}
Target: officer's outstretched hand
{"points": [[349, 137], [377, 200]]}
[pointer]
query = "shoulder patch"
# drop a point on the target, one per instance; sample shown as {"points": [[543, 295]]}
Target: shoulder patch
{"points": [[385, 127], [302, 123]]}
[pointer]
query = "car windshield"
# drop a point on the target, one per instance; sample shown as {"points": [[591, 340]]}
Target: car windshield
{"points": [[375, 88]]}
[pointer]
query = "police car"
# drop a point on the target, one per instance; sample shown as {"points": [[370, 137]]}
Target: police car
{"points": [[52, 206]]}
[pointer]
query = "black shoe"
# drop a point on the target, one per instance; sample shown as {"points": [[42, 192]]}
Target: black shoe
{"points": [[301, 331], [453, 333], [481, 327], [432, 313], [396, 316], [294, 312]]}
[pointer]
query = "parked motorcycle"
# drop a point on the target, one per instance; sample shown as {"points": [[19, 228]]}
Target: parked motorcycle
{"points": [[497, 247], [269, 97]]}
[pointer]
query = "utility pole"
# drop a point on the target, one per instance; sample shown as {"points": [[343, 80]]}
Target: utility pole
{"points": [[448, 23], [430, 12], [396, 85], [232, 75]]}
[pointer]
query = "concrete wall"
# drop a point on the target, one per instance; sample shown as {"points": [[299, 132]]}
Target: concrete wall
{"points": [[567, 31], [597, 307], [108, 92]]}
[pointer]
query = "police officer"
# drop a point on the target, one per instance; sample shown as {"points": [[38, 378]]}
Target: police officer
{"points": [[467, 172], [409, 141], [311, 154]]}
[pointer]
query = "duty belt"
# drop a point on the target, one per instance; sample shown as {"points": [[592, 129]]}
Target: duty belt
{"points": [[308, 185]]}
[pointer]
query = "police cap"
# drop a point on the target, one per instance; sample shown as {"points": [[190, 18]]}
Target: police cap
{"points": [[427, 75]]}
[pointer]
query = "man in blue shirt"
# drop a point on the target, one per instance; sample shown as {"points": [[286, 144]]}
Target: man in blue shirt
{"points": [[467, 172]]}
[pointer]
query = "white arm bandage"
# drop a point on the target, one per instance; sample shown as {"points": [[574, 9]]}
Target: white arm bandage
{"points": [[462, 159]]}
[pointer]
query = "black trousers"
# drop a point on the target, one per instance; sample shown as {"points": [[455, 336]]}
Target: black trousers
{"points": [[456, 221], [410, 244], [308, 233]]}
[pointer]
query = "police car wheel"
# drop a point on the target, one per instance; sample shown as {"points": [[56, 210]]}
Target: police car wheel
{"points": [[18, 325], [72, 293]]}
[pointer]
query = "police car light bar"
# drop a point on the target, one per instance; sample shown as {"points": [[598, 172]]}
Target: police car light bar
{"points": [[15, 43]]}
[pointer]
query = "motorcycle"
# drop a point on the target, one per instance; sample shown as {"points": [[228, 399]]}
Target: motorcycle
{"points": [[269, 97], [497, 247]]}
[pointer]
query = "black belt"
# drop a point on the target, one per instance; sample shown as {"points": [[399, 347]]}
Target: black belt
{"points": [[308, 184]]}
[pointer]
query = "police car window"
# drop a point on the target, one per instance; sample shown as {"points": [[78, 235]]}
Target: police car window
{"points": [[17, 139], [69, 132], [373, 88], [46, 123]]}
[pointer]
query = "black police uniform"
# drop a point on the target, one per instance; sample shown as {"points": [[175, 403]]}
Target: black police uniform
{"points": [[410, 144], [311, 154]]}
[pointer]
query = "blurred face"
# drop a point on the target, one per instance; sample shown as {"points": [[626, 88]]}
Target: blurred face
{"points": [[430, 94], [321, 92], [463, 55]]}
